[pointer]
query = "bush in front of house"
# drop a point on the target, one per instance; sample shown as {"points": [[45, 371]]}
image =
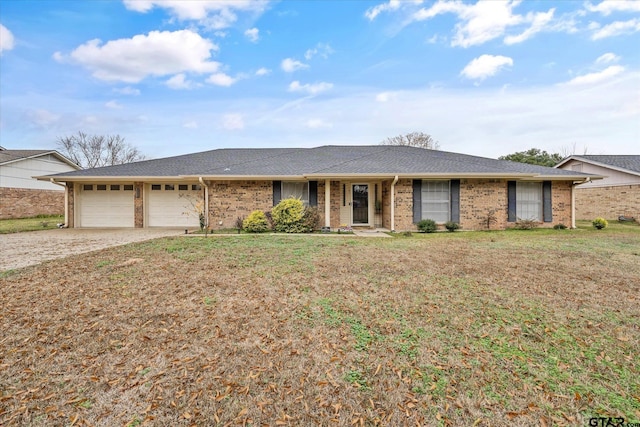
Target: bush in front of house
{"points": [[600, 223], [311, 219], [256, 222], [288, 216], [427, 226], [451, 226]]}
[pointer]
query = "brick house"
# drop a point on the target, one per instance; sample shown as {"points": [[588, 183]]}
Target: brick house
{"points": [[389, 187], [617, 194], [22, 196]]}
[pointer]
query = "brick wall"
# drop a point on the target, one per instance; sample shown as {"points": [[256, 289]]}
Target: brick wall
{"points": [[71, 200], [334, 215], [229, 200], [24, 203], [480, 198], [608, 202], [138, 204]]}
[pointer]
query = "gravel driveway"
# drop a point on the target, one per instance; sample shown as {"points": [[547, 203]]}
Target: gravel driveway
{"points": [[29, 248]]}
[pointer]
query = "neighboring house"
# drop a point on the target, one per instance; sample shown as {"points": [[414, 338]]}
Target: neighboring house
{"points": [[392, 187], [618, 194], [23, 196]]}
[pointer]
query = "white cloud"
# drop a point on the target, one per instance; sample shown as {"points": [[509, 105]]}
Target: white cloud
{"points": [[386, 96], [290, 65], [179, 81], [321, 49], [221, 79], [373, 12], [607, 58], [606, 7], [311, 89], [42, 118], [485, 66], [113, 105], [214, 14], [127, 90], [539, 22], [6, 39], [318, 124], [263, 71], [233, 122], [156, 54], [617, 28], [191, 124], [253, 34], [597, 77]]}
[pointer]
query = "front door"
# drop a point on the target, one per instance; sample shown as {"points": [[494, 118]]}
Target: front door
{"points": [[360, 203]]}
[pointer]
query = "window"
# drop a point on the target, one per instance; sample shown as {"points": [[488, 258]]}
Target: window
{"points": [[183, 187], [128, 187], [435, 200], [156, 187], [114, 187], [529, 201], [196, 187], [169, 187], [101, 187], [87, 187], [299, 190]]}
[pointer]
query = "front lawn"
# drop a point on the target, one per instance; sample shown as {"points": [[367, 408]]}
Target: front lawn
{"points": [[41, 222], [505, 328]]}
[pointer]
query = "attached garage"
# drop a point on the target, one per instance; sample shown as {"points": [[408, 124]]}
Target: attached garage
{"points": [[105, 205], [174, 205]]}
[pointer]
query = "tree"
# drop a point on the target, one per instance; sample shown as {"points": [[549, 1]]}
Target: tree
{"points": [[414, 139], [534, 156], [93, 151]]}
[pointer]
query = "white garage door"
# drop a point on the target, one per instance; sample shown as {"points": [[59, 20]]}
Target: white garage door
{"points": [[174, 205], [106, 205]]}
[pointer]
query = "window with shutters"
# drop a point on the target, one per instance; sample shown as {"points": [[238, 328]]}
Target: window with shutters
{"points": [[436, 201], [297, 189], [529, 201]]}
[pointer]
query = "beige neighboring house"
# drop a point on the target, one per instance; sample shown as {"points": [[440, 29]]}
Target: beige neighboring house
{"points": [[618, 194], [388, 187], [21, 195]]}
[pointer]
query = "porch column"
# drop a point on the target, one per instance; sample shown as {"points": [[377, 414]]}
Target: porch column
{"points": [[327, 203]]}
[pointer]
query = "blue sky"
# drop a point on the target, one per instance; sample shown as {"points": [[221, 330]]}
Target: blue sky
{"points": [[176, 76]]}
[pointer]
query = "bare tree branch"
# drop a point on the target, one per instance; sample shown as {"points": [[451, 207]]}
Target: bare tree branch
{"points": [[414, 139], [92, 151]]}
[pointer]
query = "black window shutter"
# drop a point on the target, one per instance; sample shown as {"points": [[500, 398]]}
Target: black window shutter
{"points": [[455, 200], [313, 193], [417, 200], [277, 192], [511, 201], [547, 211]]}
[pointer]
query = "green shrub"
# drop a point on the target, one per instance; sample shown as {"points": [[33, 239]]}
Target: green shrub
{"points": [[427, 226], [600, 223], [526, 224], [560, 226], [256, 222], [451, 226], [288, 216]]}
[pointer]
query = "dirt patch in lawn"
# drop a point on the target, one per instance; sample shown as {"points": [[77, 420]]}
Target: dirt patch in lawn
{"points": [[496, 329]]}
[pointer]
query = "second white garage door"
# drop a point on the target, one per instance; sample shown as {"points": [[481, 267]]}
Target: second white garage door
{"points": [[173, 205]]}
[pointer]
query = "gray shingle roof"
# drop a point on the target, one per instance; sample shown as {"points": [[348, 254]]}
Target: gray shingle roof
{"points": [[628, 162], [326, 160], [12, 155]]}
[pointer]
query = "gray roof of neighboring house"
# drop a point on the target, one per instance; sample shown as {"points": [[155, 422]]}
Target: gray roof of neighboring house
{"points": [[8, 156], [630, 163], [320, 161]]}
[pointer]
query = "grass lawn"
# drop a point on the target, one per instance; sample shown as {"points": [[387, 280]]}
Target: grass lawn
{"points": [[525, 328], [42, 222]]}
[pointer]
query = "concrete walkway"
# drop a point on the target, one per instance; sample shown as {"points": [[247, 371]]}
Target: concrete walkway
{"points": [[378, 232]]}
